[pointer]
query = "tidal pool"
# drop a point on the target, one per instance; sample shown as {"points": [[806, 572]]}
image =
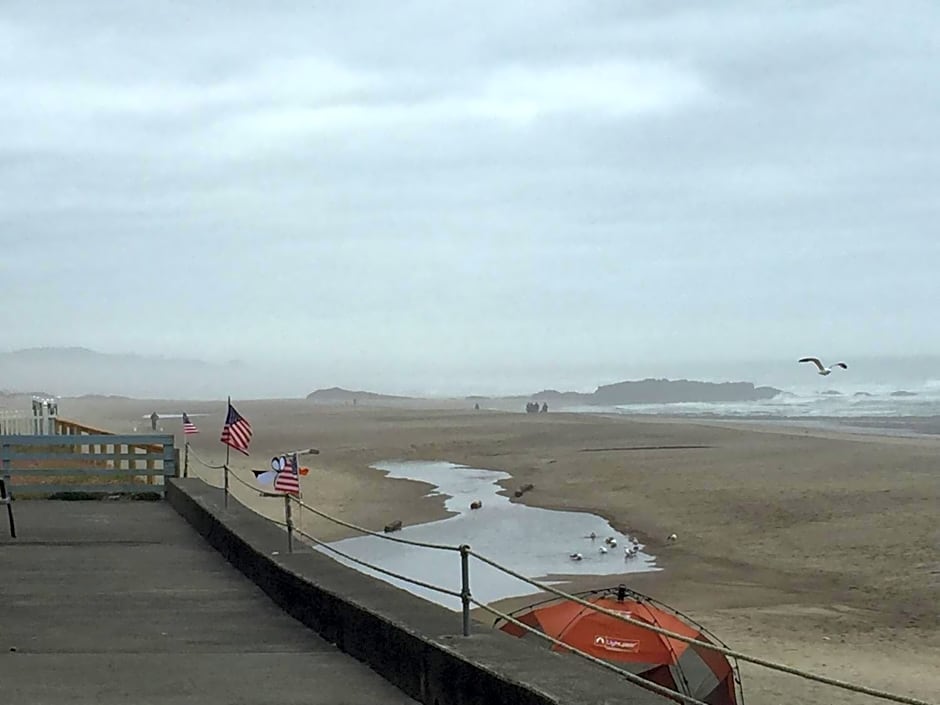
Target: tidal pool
{"points": [[535, 542]]}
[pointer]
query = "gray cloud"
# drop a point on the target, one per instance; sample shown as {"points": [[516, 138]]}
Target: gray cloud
{"points": [[419, 190]]}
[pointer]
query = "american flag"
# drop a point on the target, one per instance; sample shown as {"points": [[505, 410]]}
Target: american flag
{"points": [[287, 479], [236, 433], [188, 426]]}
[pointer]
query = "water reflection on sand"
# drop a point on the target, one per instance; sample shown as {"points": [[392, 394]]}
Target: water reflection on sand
{"points": [[532, 541]]}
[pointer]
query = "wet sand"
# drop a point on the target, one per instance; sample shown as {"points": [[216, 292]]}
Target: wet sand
{"points": [[818, 548]]}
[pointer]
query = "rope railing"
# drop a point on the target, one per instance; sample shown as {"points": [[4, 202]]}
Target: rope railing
{"points": [[256, 490], [245, 483], [203, 462], [392, 574], [632, 677], [319, 542], [369, 532], [467, 599]]}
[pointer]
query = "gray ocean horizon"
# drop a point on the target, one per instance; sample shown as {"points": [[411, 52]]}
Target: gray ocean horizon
{"points": [[67, 373], [836, 401]]}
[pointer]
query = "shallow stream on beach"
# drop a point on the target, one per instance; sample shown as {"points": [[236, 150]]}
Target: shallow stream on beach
{"points": [[532, 541]]}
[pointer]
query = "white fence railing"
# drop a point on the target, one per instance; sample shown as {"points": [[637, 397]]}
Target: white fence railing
{"points": [[40, 421], [14, 422]]}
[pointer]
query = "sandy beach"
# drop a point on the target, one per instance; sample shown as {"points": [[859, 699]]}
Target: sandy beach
{"points": [[820, 549]]}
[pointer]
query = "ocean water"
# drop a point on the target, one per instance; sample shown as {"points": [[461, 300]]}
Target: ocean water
{"points": [[835, 399], [533, 542]]}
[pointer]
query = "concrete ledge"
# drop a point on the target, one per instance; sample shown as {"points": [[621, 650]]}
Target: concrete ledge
{"points": [[412, 643]]}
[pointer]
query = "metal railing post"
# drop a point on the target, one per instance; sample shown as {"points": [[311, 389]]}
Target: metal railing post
{"points": [[4, 479], [225, 486], [8, 500], [465, 586], [290, 524]]}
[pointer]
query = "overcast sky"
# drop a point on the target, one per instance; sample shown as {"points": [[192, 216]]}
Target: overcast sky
{"points": [[429, 190]]}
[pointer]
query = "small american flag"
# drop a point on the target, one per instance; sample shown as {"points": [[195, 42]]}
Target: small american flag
{"points": [[236, 433], [287, 479], [188, 426]]}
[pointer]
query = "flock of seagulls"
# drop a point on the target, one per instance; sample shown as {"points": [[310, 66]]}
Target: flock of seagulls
{"points": [[610, 542]]}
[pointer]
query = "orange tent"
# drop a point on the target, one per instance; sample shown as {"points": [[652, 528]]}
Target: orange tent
{"points": [[702, 673]]}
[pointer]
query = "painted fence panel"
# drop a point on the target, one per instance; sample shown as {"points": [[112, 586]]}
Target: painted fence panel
{"points": [[97, 462]]}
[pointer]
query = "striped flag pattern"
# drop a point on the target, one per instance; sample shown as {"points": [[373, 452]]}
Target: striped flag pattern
{"points": [[287, 479], [189, 427], [236, 433]]}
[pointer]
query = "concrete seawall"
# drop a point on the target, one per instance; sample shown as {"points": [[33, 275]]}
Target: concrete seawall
{"points": [[412, 643]]}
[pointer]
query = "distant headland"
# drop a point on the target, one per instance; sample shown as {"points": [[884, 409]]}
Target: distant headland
{"points": [[645, 391]]}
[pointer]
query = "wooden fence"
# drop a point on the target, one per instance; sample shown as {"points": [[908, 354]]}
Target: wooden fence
{"points": [[83, 459]]}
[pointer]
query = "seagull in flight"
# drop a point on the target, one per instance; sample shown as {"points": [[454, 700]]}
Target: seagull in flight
{"points": [[823, 370]]}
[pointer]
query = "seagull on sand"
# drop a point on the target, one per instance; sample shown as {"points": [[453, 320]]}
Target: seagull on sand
{"points": [[823, 370]]}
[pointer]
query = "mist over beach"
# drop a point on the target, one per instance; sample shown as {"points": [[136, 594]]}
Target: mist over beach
{"points": [[669, 266], [78, 371]]}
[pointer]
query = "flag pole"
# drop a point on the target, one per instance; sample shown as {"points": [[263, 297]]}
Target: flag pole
{"points": [[300, 496], [225, 467], [186, 458]]}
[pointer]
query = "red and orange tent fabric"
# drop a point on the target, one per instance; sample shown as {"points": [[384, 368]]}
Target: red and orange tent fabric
{"points": [[693, 670]]}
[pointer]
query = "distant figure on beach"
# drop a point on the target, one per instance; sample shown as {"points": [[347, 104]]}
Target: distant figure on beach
{"points": [[545, 407], [476, 407], [154, 417]]}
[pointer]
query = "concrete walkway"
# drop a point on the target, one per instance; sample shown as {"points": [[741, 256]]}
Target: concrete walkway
{"points": [[121, 602]]}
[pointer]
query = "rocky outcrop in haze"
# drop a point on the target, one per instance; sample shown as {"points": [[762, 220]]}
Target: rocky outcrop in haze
{"points": [[660, 391], [338, 395], [682, 390]]}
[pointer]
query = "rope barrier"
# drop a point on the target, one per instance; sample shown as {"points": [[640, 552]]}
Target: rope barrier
{"points": [[303, 533], [282, 524], [632, 677], [390, 573], [245, 483], [253, 488], [199, 460], [354, 527], [396, 539], [845, 685]]}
